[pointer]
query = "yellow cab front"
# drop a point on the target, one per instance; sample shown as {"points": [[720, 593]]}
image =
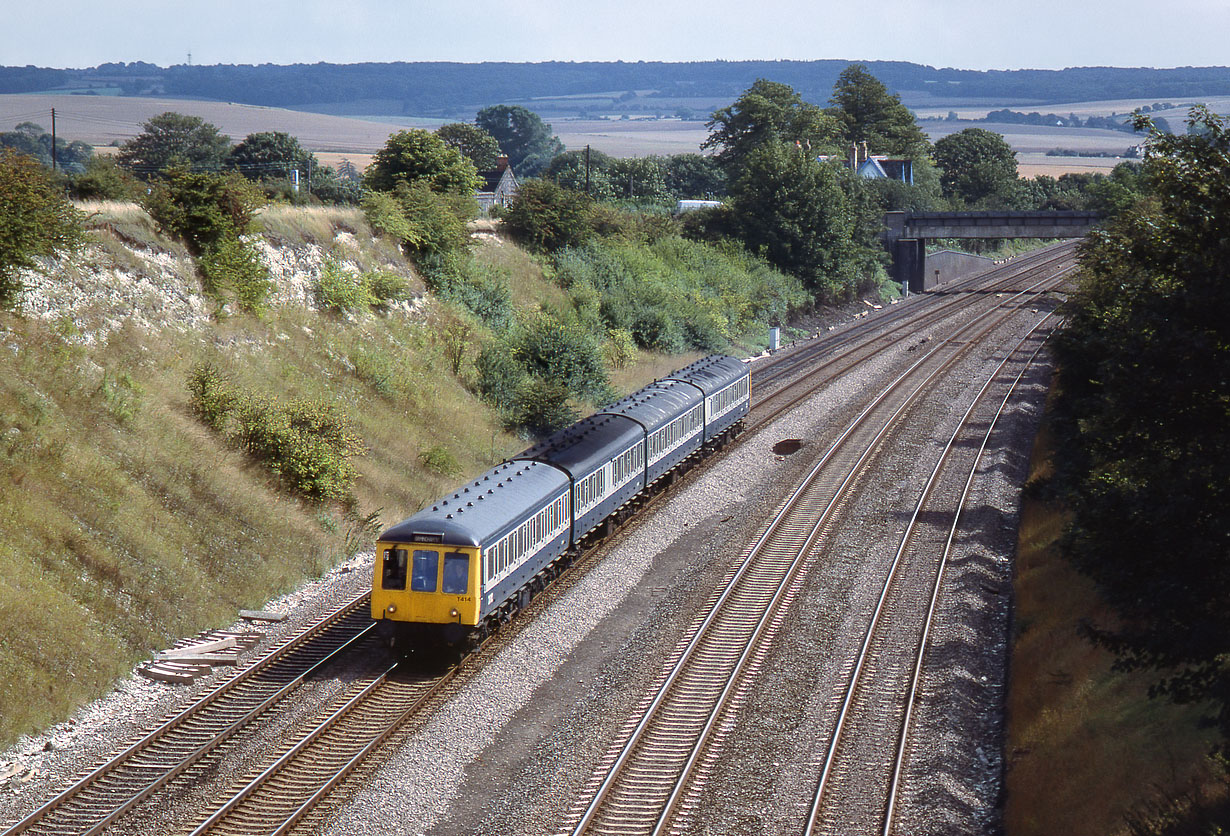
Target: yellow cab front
{"points": [[426, 583]]}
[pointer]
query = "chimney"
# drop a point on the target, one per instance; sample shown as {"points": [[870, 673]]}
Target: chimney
{"points": [[501, 162]]}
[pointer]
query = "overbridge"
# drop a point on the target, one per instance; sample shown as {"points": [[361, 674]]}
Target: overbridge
{"points": [[906, 233]]}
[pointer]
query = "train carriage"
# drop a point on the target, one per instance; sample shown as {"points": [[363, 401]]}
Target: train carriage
{"points": [[604, 456], [672, 415], [459, 568], [726, 384], [452, 567]]}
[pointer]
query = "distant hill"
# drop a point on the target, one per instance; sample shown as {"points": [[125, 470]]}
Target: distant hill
{"points": [[453, 90]]}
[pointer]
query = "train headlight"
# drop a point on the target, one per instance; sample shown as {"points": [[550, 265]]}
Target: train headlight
{"points": [[391, 608], [453, 612]]}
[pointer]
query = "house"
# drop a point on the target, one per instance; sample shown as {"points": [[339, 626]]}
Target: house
{"points": [[876, 166], [498, 186]]}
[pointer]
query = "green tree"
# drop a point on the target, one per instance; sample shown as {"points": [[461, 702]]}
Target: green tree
{"points": [[694, 176], [522, 135], [202, 208], [475, 144], [104, 179], [35, 221], [977, 167], [269, 156], [1142, 418], [867, 112], [211, 213], [546, 217], [173, 139], [32, 140], [571, 171], [417, 156], [768, 112], [793, 211]]}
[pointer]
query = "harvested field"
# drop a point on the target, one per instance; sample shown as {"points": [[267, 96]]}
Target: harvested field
{"points": [[103, 120]]}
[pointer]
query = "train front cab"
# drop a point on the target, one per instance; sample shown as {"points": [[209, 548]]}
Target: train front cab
{"points": [[429, 589]]}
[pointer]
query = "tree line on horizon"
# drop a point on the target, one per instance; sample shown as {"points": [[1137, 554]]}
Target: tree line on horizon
{"points": [[438, 88]]}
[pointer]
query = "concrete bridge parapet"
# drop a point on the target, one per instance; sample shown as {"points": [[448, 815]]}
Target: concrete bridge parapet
{"points": [[906, 233]]}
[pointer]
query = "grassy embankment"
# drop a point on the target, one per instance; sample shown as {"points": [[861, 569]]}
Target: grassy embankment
{"points": [[1088, 750], [126, 523]]}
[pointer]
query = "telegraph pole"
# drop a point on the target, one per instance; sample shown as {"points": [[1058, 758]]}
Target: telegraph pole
{"points": [[587, 169], [53, 139]]}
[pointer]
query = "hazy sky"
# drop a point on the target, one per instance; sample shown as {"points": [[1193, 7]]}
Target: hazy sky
{"points": [[967, 34]]}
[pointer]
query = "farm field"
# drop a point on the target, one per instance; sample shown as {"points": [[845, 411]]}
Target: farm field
{"points": [[104, 120], [110, 120]]}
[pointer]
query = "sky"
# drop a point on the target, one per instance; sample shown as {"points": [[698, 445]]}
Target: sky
{"points": [[964, 34]]}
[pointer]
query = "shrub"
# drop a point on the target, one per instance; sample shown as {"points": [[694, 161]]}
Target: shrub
{"points": [[621, 348], [341, 290], [385, 287], [478, 288], [551, 349], [231, 269], [35, 221], [202, 209], [545, 217], [439, 460], [211, 395], [425, 222], [542, 407], [308, 443], [499, 375]]}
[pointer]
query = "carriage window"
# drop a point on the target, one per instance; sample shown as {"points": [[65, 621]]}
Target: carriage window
{"points": [[456, 573], [393, 574], [423, 572]]}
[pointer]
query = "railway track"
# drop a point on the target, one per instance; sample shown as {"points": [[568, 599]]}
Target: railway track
{"points": [[822, 361], [100, 798], [915, 313], [862, 770], [286, 790], [657, 771]]}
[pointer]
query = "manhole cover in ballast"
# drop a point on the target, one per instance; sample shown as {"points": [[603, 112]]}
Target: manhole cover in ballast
{"points": [[787, 446]]}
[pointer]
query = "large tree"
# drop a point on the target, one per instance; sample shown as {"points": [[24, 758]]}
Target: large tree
{"points": [[522, 135], [35, 221], [269, 155], [475, 144], [32, 140], [1142, 417], [417, 156], [768, 112], [869, 113], [792, 209], [977, 167], [175, 139]]}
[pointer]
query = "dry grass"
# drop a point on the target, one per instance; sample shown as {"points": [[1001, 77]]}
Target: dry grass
{"points": [[1085, 743], [310, 224]]}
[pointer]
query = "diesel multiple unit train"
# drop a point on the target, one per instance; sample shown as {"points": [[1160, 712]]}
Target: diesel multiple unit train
{"points": [[456, 570]]}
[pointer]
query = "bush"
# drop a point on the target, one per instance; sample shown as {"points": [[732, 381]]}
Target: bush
{"points": [[307, 443], [440, 461], [385, 287], [425, 222], [674, 294], [230, 270], [341, 290], [35, 221], [545, 217], [203, 210], [551, 349], [542, 407], [499, 375], [460, 279]]}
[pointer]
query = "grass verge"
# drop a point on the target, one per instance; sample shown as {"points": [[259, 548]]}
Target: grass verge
{"points": [[1088, 751]]}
